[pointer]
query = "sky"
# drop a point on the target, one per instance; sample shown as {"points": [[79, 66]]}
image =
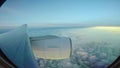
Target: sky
{"points": [[60, 12]]}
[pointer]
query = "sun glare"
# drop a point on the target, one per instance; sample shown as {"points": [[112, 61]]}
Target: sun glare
{"points": [[109, 28]]}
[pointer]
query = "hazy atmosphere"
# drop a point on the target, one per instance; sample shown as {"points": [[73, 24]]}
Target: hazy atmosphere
{"points": [[60, 13]]}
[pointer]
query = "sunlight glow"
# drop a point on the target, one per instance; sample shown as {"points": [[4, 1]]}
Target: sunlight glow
{"points": [[109, 28]]}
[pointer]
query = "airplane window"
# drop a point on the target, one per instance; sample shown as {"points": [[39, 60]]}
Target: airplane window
{"points": [[62, 33]]}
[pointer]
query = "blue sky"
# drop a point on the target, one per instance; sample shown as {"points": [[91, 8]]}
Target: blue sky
{"points": [[60, 12]]}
